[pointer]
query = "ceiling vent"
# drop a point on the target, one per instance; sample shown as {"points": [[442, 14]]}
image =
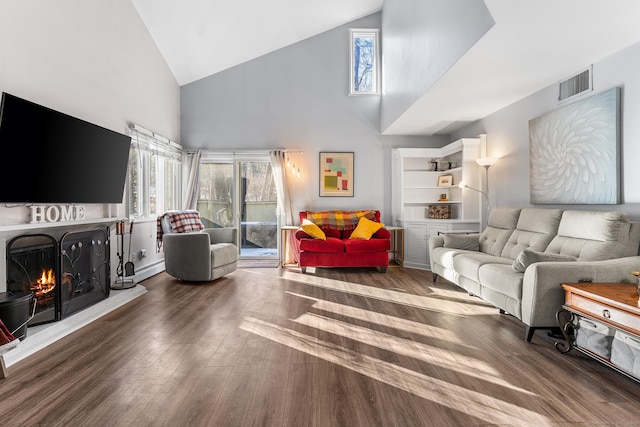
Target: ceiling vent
{"points": [[575, 85]]}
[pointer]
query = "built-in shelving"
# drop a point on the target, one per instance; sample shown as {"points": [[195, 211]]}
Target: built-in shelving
{"points": [[417, 175]]}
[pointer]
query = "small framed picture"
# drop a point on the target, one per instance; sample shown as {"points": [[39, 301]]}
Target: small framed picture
{"points": [[336, 174], [445, 180]]}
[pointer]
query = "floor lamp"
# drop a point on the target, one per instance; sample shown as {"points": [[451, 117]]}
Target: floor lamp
{"points": [[486, 163]]}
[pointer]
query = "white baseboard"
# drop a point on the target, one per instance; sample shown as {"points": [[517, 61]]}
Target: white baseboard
{"points": [[148, 271]]}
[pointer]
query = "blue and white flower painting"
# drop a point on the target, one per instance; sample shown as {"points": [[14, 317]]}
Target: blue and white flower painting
{"points": [[573, 152]]}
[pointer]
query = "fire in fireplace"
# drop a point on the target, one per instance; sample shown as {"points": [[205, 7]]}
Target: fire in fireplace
{"points": [[64, 276], [45, 286], [30, 258]]}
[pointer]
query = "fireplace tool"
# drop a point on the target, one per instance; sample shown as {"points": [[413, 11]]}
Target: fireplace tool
{"points": [[121, 282], [129, 266]]}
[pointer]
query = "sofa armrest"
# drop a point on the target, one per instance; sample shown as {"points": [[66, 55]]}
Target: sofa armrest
{"points": [[222, 235], [542, 295], [300, 234], [383, 233], [435, 242]]}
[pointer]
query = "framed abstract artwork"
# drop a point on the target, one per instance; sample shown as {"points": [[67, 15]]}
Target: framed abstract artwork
{"points": [[574, 152], [336, 174]]}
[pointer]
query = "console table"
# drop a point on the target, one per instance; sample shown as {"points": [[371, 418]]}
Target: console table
{"points": [[614, 305], [287, 231], [397, 245]]}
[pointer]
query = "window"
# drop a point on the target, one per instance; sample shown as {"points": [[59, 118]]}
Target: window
{"points": [[215, 200], [154, 176], [364, 62]]}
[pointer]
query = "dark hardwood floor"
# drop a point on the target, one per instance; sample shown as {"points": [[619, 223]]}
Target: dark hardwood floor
{"points": [[338, 347]]}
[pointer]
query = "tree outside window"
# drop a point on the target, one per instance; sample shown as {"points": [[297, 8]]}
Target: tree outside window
{"points": [[364, 61]]}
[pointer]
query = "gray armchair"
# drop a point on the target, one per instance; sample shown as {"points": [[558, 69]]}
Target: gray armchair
{"points": [[200, 256]]}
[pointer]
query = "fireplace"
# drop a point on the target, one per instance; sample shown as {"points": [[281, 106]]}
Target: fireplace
{"points": [[65, 276]]}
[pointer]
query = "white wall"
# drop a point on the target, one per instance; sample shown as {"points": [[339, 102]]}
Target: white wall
{"points": [[508, 135], [94, 60], [421, 40], [297, 98]]}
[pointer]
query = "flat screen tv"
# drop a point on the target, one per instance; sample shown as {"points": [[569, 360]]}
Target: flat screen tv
{"points": [[51, 157]]}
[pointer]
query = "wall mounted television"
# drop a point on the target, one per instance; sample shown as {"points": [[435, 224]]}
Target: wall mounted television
{"points": [[51, 157]]}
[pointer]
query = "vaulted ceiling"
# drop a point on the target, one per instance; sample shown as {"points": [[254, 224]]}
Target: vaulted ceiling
{"points": [[533, 44]]}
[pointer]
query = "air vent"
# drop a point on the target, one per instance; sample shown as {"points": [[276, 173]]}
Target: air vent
{"points": [[575, 85]]}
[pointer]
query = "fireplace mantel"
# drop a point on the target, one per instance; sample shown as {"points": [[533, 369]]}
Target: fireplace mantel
{"points": [[48, 225]]}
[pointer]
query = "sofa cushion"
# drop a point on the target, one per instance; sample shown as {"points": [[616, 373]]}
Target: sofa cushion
{"points": [[339, 219], [331, 245], [535, 230], [592, 225], [594, 236], [501, 224], [313, 230], [331, 232], [501, 278], [469, 242], [371, 245], [528, 257], [444, 256], [468, 264], [328, 232], [365, 229], [223, 254]]}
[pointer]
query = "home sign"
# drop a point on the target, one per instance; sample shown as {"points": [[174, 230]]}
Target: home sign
{"points": [[53, 213]]}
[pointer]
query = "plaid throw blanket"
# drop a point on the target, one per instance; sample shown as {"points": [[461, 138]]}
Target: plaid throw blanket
{"points": [[341, 220], [181, 222]]}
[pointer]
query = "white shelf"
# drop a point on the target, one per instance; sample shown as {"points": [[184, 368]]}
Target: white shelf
{"points": [[431, 187], [442, 172]]}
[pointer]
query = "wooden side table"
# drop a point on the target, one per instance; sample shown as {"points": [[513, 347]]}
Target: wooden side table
{"points": [[611, 304]]}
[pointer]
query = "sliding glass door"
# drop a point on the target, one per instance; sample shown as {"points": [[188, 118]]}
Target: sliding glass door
{"points": [[241, 193], [257, 210]]}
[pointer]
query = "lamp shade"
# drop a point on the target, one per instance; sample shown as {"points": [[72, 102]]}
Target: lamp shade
{"points": [[486, 161]]}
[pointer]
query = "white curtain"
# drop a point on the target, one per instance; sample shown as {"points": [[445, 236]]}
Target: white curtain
{"points": [[279, 167], [192, 169]]}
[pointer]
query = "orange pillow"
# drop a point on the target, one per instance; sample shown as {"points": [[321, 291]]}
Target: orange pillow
{"points": [[312, 230], [365, 229]]}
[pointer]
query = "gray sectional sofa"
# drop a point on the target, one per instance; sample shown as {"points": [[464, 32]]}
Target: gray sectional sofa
{"points": [[519, 261]]}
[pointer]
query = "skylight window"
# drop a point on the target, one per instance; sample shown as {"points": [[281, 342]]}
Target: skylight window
{"points": [[364, 62]]}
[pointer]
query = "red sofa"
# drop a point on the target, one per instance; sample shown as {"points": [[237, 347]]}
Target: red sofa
{"points": [[338, 250]]}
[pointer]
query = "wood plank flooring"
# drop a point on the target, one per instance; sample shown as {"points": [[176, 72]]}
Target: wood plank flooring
{"points": [[337, 347]]}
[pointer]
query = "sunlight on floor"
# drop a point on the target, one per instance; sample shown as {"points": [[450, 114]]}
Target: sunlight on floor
{"points": [[411, 300], [486, 406], [383, 319], [427, 353], [479, 405]]}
